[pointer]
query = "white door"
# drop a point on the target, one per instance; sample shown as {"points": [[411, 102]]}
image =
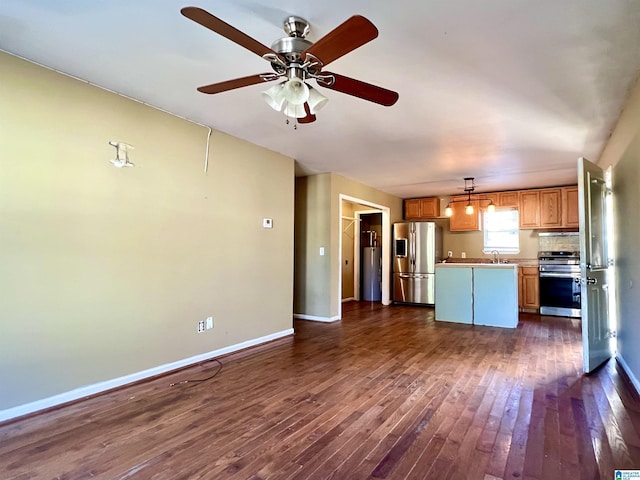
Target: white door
{"points": [[594, 265]]}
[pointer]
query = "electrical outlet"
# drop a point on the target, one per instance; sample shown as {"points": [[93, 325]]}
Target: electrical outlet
{"points": [[201, 326], [209, 323]]}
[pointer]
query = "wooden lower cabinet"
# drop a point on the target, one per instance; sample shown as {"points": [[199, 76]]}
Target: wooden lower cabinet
{"points": [[528, 288]]}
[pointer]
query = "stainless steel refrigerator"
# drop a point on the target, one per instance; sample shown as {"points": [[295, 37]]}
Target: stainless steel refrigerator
{"points": [[417, 247]]}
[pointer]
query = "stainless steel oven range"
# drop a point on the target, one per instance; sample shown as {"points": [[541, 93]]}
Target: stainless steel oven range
{"points": [[560, 283]]}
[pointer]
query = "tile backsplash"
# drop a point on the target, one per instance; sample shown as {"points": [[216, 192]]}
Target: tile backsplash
{"points": [[559, 242]]}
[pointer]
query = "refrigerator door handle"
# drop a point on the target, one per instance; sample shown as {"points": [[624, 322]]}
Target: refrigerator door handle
{"points": [[405, 275], [412, 249]]}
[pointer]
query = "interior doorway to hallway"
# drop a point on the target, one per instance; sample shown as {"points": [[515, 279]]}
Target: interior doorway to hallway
{"points": [[366, 230]]}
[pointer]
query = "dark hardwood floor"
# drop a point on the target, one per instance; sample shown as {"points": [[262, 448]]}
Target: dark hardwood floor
{"points": [[387, 393]]}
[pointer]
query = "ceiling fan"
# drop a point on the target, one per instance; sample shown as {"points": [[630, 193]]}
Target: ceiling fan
{"points": [[295, 60]]}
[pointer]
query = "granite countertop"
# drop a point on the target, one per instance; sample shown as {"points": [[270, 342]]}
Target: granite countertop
{"points": [[521, 262], [477, 265]]}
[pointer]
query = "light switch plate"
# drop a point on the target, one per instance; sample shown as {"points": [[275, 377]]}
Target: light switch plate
{"points": [[267, 223]]}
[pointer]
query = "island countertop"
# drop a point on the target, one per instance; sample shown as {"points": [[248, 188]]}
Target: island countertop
{"points": [[476, 265]]}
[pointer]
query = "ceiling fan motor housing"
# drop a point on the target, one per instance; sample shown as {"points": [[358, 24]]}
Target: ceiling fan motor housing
{"points": [[291, 48]]}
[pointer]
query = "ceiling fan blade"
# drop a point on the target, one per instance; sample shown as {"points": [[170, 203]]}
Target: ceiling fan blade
{"points": [[351, 34], [237, 83], [207, 20], [309, 118], [359, 89]]}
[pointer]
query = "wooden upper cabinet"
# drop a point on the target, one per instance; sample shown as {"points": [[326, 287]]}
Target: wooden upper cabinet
{"points": [[487, 198], [529, 206], [570, 216], [508, 199], [421, 208], [551, 208], [460, 221]]}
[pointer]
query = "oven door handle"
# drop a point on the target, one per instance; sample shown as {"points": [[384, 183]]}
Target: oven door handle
{"points": [[559, 275]]}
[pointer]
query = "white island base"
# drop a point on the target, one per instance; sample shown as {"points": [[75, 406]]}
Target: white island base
{"points": [[477, 293]]}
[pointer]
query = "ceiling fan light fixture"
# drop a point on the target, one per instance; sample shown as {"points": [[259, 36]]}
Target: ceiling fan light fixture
{"points": [[316, 100], [274, 97], [294, 111], [296, 92]]}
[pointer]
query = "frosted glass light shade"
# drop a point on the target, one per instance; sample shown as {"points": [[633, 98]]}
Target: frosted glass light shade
{"points": [[296, 92], [469, 209], [274, 96], [448, 211], [316, 100], [295, 111], [491, 207]]}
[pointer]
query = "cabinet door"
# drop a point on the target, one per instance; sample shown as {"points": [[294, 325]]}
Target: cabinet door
{"points": [[529, 206], [460, 221], [530, 288], [570, 207], [495, 295], [551, 207], [430, 207], [454, 294], [508, 199], [419, 208], [412, 208], [520, 287], [487, 198]]}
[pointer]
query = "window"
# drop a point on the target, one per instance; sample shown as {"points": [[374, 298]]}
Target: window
{"points": [[501, 231]]}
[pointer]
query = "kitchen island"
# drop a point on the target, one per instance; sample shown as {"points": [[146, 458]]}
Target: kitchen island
{"points": [[477, 293]]}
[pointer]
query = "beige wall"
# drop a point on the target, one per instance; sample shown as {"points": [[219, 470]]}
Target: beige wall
{"points": [[312, 231], [105, 272], [318, 223], [473, 242], [623, 154]]}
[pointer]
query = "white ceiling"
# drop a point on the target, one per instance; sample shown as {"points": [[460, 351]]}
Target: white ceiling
{"points": [[510, 92]]}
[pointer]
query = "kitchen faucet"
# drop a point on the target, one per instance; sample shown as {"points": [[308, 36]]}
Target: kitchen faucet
{"points": [[496, 256]]}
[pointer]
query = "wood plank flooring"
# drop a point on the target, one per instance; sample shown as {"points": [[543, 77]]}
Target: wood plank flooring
{"points": [[387, 393]]}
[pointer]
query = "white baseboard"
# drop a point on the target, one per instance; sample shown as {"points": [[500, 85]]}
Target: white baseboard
{"points": [[100, 387], [632, 377], [350, 299], [316, 319]]}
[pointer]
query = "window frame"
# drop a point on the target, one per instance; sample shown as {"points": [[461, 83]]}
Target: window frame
{"points": [[501, 249]]}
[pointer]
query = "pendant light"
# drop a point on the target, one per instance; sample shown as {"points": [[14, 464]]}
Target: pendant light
{"points": [[469, 187]]}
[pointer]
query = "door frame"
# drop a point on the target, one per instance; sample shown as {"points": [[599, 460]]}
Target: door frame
{"points": [[386, 249], [356, 251]]}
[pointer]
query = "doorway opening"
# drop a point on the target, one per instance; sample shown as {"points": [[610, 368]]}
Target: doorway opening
{"points": [[364, 224], [370, 257]]}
